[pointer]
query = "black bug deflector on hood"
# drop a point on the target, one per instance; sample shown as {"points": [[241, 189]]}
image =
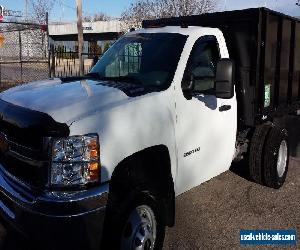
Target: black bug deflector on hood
{"points": [[27, 127], [24, 130]]}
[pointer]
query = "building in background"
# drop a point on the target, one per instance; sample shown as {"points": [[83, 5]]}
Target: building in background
{"points": [[96, 35]]}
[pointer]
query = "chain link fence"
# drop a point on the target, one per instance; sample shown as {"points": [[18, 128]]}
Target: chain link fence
{"points": [[24, 54]]}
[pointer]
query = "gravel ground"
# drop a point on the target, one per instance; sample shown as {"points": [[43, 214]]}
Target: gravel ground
{"points": [[211, 215]]}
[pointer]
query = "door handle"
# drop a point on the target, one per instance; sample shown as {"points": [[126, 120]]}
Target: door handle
{"points": [[224, 108]]}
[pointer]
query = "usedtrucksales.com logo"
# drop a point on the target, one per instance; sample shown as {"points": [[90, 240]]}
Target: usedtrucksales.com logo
{"points": [[268, 236]]}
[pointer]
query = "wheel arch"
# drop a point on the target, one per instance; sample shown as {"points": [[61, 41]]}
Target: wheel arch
{"points": [[150, 169]]}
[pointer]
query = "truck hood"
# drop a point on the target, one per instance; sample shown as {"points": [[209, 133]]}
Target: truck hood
{"points": [[65, 102]]}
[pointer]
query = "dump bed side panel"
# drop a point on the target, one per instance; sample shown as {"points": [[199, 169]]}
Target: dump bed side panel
{"points": [[296, 74], [279, 66]]}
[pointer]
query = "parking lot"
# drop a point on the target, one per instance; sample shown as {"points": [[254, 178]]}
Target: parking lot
{"points": [[211, 215]]}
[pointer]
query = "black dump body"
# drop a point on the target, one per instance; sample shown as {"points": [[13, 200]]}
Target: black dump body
{"points": [[265, 46]]}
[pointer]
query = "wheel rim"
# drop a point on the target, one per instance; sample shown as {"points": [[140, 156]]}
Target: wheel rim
{"points": [[140, 230], [282, 159]]}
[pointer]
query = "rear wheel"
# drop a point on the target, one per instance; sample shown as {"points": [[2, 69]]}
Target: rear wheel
{"points": [[256, 155], [276, 158]]}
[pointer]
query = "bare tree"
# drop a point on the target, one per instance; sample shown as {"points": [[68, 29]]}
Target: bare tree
{"points": [[136, 13], [97, 17], [101, 17], [87, 19], [40, 8], [151, 9]]}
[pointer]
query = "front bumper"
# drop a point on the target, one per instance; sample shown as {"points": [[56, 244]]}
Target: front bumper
{"points": [[55, 220]]}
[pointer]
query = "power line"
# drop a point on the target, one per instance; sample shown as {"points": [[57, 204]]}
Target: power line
{"points": [[73, 8]]}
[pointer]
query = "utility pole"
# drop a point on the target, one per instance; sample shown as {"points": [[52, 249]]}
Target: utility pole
{"points": [[80, 34], [26, 9]]}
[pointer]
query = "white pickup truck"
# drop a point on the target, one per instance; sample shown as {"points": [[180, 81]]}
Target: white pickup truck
{"points": [[98, 159]]}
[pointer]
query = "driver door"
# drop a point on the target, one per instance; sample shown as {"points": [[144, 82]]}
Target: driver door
{"points": [[205, 131]]}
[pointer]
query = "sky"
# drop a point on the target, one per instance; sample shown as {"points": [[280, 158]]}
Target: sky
{"points": [[64, 10]]}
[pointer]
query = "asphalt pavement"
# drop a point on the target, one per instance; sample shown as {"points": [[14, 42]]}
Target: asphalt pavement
{"points": [[211, 215]]}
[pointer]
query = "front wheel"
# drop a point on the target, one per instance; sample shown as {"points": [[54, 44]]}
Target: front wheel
{"points": [[139, 225], [140, 229]]}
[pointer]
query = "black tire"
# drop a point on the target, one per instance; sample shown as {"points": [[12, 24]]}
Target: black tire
{"points": [[256, 152], [271, 176], [115, 226]]}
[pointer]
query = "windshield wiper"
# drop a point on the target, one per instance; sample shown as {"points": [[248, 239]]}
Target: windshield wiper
{"points": [[92, 75], [127, 79]]}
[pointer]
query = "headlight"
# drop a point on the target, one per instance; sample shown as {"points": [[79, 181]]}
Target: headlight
{"points": [[75, 161]]}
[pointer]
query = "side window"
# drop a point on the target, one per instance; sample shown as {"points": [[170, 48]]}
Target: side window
{"points": [[201, 66]]}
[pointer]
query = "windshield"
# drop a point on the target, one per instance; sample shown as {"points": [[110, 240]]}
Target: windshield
{"points": [[149, 59]]}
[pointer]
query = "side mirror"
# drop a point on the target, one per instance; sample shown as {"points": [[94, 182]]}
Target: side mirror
{"points": [[188, 86], [224, 86]]}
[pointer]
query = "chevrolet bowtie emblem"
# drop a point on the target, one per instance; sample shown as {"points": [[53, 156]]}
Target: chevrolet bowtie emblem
{"points": [[3, 143]]}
